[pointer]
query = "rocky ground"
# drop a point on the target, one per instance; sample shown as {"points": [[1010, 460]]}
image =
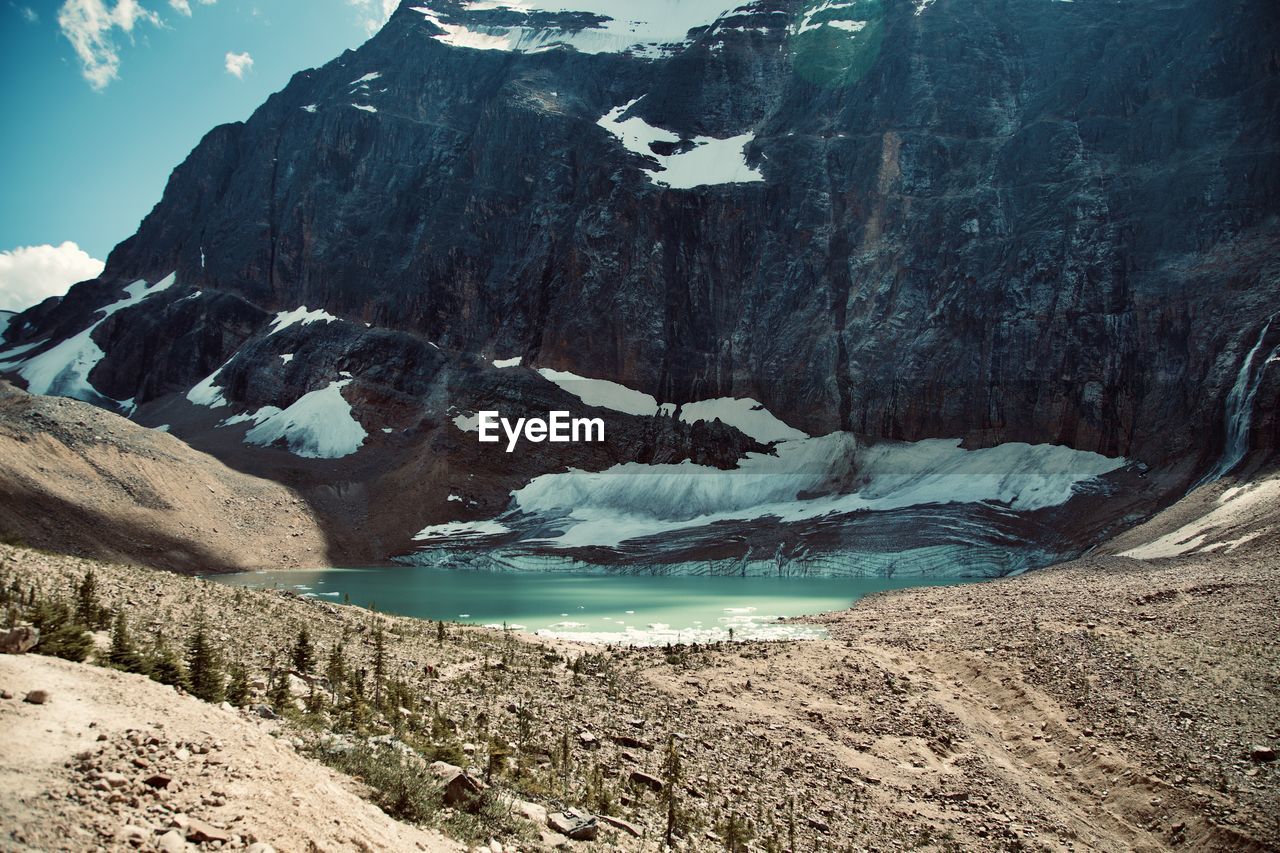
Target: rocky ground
{"points": [[114, 760], [78, 479], [1105, 704]]}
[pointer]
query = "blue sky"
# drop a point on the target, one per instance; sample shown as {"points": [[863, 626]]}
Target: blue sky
{"points": [[91, 136]]}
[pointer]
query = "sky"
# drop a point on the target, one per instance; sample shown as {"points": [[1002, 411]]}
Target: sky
{"points": [[103, 98]]}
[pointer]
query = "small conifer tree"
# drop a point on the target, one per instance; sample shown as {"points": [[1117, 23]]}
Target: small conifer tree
{"points": [[304, 654], [164, 666], [61, 635], [123, 653], [204, 670]]}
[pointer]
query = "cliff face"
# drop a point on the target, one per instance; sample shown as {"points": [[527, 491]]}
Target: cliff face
{"points": [[1006, 220]]}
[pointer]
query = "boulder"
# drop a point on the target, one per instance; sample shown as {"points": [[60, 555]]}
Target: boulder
{"points": [[460, 789], [624, 825], [639, 777], [1261, 753], [632, 742], [158, 780], [37, 697], [172, 842], [588, 739], [19, 640], [574, 824], [133, 835], [203, 833], [530, 811]]}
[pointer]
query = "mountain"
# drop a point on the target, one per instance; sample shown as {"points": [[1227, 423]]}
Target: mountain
{"points": [[996, 276]]}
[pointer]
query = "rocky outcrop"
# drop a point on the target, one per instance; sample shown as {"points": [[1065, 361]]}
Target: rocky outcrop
{"points": [[995, 221]]}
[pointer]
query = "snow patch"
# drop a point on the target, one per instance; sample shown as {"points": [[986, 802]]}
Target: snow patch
{"points": [[1236, 506], [368, 78], [745, 414], [365, 107], [310, 108], [508, 362], [285, 319], [64, 369], [603, 393], [460, 530], [319, 425], [709, 162], [206, 392]]}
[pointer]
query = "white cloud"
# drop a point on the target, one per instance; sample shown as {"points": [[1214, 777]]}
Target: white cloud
{"points": [[374, 13], [181, 6], [29, 15], [90, 24], [238, 63], [29, 274]]}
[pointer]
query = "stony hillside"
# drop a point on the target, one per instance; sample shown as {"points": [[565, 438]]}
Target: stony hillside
{"points": [[81, 480], [1080, 707]]}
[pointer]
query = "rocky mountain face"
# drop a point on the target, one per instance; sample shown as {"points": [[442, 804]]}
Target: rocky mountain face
{"points": [[989, 221]]}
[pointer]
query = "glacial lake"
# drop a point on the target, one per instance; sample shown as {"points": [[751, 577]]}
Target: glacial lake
{"points": [[627, 609]]}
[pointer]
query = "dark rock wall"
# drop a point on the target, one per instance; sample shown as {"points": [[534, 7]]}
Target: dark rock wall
{"points": [[1003, 220]]}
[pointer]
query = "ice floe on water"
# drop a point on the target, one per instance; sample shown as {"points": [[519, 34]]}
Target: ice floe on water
{"points": [[64, 369]]}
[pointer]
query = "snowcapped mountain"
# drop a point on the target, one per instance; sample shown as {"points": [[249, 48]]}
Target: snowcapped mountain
{"points": [[863, 286]]}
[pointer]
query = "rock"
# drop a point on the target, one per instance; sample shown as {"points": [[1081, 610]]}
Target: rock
{"points": [[588, 740], [639, 777], [633, 742], [574, 824], [1261, 753], [19, 640], [554, 840], [818, 824], [460, 789], [259, 847], [266, 712], [37, 697], [171, 842], [530, 811], [201, 832], [6, 694], [115, 780], [624, 825], [131, 834], [158, 780]]}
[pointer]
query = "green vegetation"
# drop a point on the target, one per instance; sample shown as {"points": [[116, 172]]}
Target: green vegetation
{"points": [[837, 46]]}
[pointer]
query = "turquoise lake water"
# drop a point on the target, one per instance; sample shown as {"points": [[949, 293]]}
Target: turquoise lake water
{"points": [[641, 610]]}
